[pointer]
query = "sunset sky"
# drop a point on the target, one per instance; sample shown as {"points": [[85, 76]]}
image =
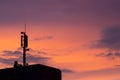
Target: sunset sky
{"points": [[80, 37]]}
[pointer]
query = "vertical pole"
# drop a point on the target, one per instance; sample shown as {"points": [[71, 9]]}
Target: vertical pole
{"points": [[24, 56], [25, 28], [24, 45], [24, 49]]}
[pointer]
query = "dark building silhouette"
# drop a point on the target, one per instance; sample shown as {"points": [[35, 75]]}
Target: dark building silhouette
{"points": [[31, 72]]}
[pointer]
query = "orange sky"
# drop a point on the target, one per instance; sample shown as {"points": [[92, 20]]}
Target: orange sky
{"points": [[81, 37], [66, 48]]}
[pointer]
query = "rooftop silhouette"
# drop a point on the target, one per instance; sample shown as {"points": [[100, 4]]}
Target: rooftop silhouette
{"points": [[31, 72]]}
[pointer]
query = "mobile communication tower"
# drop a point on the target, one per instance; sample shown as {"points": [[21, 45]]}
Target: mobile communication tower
{"points": [[29, 72], [24, 45]]}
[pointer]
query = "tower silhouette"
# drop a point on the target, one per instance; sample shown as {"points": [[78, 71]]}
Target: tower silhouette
{"points": [[29, 72]]}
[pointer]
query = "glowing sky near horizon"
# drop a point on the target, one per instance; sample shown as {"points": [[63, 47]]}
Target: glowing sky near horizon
{"points": [[81, 37]]}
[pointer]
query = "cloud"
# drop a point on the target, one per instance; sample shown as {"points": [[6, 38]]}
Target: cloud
{"points": [[102, 73], [105, 55], [37, 59], [11, 53], [111, 55], [110, 39], [57, 11], [8, 57], [67, 71], [8, 62], [44, 38], [37, 51]]}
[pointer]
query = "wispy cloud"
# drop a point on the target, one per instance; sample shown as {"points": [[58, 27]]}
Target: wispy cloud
{"points": [[111, 55], [67, 71], [8, 57], [43, 38], [11, 53], [8, 62], [57, 11], [114, 72], [37, 59], [101, 74], [110, 39]]}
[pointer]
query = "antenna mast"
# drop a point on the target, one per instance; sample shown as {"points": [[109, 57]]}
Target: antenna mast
{"points": [[24, 45], [25, 28]]}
